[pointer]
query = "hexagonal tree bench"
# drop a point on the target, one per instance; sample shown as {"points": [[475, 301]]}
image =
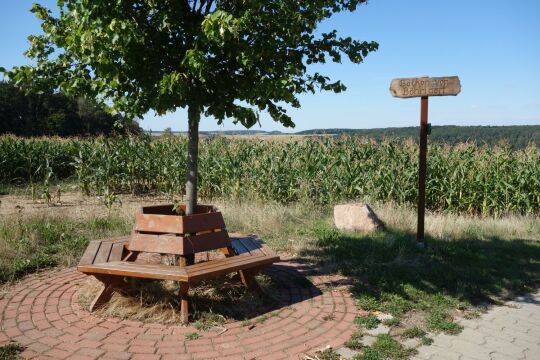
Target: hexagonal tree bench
{"points": [[162, 230]]}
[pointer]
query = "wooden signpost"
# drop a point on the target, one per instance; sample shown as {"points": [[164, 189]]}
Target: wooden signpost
{"points": [[423, 87]]}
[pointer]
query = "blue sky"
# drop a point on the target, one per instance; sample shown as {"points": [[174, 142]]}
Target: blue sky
{"points": [[492, 45]]}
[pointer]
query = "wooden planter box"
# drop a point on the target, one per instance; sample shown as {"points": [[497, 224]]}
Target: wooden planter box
{"points": [[177, 234]]}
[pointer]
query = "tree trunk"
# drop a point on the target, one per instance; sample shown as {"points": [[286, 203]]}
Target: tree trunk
{"points": [[194, 116]]}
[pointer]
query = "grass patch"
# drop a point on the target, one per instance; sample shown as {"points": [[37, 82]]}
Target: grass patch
{"points": [[440, 320], [391, 322], [414, 332], [208, 320], [329, 317], [355, 342], [391, 275], [10, 351], [468, 261], [368, 322], [367, 302], [263, 318], [192, 336], [327, 354], [283, 227], [29, 244], [384, 348]]}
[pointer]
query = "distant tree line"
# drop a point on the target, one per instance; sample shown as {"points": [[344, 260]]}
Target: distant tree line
{"points": [[518, 136], [55, 114]]}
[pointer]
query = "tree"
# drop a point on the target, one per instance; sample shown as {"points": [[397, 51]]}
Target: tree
{"points": [[221, 58], [55, 114], [167, 132]]}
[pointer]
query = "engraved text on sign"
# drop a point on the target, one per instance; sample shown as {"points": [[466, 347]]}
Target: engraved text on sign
{"points": [[425, 86]]}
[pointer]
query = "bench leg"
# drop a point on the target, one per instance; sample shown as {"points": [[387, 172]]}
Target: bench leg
{"points": [[248, 279], [186, 260], [184, 303], [110, 284]]}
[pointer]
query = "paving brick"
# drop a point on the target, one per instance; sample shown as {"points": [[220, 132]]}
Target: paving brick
{"points": [[508, 333], [95, 353], [116, 355], [49, 314], [57, 354], [145, 357], [142, 349]]}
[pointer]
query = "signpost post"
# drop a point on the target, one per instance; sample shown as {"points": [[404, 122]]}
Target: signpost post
{"points": [[424, 87]]}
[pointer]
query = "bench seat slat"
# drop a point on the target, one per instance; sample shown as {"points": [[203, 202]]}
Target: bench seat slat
{"points": [[103, 252], [241, 264], [190, 273], [267, 250], [202, 266], [131, 269], [116, 252], [254, 246], [239, 248], [90, 252], [248, 244], [93, 247]]}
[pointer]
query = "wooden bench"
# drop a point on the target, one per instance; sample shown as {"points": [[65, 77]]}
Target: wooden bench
{"points": [[110, 260]]}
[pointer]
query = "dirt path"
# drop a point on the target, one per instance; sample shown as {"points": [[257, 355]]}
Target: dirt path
{"points": [[72, 205]]}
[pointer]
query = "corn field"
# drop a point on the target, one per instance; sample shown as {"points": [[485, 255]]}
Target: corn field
{"points": [[462, 179]]}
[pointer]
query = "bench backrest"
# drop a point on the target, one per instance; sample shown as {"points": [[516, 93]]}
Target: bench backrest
{"points": [[160, 230]]}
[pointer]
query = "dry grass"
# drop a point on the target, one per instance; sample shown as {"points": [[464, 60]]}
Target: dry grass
{"points": [[213, 302], [34, 235], [455, 227], [282, 226], [39, 236]]}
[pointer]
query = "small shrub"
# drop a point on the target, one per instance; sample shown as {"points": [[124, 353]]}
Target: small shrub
{"points": [[10, 351]]}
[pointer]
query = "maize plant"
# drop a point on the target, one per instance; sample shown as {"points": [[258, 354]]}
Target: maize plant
{"points": [[464, 179]]}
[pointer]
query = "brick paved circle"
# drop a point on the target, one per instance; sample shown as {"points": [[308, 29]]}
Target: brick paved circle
{"points": [[41, 314]]}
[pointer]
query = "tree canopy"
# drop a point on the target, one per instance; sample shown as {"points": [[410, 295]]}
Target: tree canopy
{"points": [[226, 58], [222, 58]]}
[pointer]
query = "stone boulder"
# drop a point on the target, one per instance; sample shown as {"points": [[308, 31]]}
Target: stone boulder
{"points": [[356, 217]]}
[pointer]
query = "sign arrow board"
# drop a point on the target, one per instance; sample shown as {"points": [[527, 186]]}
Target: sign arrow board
{"points": [[425, 86]]}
